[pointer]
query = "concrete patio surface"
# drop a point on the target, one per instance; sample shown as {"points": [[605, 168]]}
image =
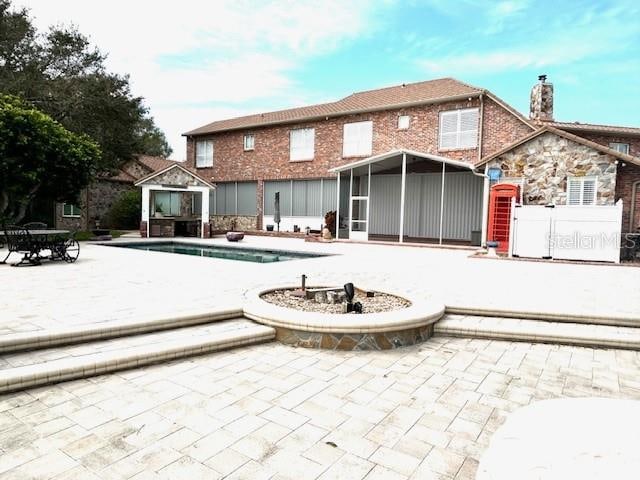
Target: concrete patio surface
{"points": [[274, 412], [109, 283]]}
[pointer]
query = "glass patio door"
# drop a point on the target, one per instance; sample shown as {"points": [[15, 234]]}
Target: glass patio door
{"points": [[359, 218]]}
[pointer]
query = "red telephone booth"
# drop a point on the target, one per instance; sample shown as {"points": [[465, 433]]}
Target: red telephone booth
{"points": [[500, 213]]}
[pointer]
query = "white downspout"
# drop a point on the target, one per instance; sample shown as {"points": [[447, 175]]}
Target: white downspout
{"points": [[485, 203], [441, 203]]}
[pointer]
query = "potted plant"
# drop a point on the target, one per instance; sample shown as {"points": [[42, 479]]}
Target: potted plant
{"points": [[270, 228]]}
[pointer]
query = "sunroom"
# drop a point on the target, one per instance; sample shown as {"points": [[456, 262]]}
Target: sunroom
{"points": [[409, 196]]}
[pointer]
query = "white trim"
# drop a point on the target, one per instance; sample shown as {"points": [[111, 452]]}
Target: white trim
{"points": [[458, 132], [441, 204], [581, 181], [73, 207], [166, 169], [403, 182], [403, 151], [253, 142], [338, 207], [208, 159]]}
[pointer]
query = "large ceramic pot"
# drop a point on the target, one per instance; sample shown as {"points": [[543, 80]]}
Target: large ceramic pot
{"points": [[235, 236]]}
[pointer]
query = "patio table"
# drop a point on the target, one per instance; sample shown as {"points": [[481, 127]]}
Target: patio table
{"points": [[59, 242]]}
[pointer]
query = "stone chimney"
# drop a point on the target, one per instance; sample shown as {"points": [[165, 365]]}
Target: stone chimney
{"points": [[542, 100]]}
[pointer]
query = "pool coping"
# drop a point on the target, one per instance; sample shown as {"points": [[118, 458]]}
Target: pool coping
{"points": [[304, 255]]}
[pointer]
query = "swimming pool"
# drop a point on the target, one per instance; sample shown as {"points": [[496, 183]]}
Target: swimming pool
{"points": [[215, 251]]}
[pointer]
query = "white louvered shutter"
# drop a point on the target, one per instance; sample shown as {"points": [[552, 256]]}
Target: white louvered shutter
{"points": [[448, 129], [589, 191], [468, 136], [574, 191], [357, 139], [302, 144]]}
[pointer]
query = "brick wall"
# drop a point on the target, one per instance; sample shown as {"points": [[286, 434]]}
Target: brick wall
{"points": [[627, 176], [270, 158]]}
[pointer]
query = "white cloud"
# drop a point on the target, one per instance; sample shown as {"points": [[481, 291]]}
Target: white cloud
{"points": [[562, 41], [191, 53]]}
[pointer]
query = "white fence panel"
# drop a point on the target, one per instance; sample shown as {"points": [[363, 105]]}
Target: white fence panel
{"points": [[531, 231], [587, 233], [590, 233]]}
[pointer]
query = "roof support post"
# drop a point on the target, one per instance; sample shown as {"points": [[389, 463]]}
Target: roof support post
{"points": [[338, 207], [485, 206], [146, 206], [441, 203], [402, 193]]}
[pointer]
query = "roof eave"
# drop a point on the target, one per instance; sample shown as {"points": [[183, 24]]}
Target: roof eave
{"points": [[195, 133], [392, 153]]}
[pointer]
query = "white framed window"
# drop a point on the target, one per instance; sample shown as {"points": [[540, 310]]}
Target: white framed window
{"points": [[582, 190], [620, 147], [459, 129], [357, 140], [249, 142], [70, 210], [302, 144], [204, 153], [403, 122]]}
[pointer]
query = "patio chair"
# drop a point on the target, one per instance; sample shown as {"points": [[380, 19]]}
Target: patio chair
{"points": [[19, 240], [35, 226]]}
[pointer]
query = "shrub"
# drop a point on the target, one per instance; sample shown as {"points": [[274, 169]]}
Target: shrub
{"points": [[126, 211]]}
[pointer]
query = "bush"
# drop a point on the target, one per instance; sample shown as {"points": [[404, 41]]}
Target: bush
{"points": [[126, 211]]}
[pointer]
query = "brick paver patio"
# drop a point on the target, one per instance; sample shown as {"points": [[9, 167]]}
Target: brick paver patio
{"points": [[276, 412]]}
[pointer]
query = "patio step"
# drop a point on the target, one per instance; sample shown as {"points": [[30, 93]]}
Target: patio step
{"points": [[39, 339], [542, 331], [40, 367]]}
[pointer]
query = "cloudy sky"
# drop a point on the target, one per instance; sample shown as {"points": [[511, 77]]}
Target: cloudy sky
{"points": [[199, 61]]}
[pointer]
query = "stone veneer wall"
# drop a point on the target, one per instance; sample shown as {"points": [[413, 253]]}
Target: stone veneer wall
{"points": [[547, 160], [226, 222], [94, 204], [354, 341]]}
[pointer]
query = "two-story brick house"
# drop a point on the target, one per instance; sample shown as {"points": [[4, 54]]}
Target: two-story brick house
{"points": [[407, 162]]}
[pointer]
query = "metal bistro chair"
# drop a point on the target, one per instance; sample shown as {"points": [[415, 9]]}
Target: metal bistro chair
{"points": [[19, 240]]}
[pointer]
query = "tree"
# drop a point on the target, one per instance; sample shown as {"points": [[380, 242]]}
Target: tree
{"points": [[38, 156], [62, 74]]}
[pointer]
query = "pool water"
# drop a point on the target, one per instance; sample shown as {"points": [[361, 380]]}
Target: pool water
{"points": [[227, 253]]}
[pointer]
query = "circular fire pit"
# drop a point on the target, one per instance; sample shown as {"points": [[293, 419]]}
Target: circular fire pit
{"points": [[399, 321]]}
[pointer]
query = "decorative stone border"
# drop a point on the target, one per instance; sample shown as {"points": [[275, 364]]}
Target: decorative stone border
{"points": [[368, 331]]}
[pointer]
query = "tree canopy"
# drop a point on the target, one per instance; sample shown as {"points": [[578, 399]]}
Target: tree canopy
{"points": [[60, 73], [38, 156]]}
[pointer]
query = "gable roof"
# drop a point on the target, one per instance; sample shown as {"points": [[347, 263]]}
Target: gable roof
{"points": [[430, 91], [561, 133], [171, 167], [154, 163], [595, 128]]}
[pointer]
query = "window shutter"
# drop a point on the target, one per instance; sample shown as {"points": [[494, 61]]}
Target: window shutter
{"points": [[448, 129], [468, 129], [573, 191], [357, 139], [589, 191], [301, 144], [350, 140]]}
